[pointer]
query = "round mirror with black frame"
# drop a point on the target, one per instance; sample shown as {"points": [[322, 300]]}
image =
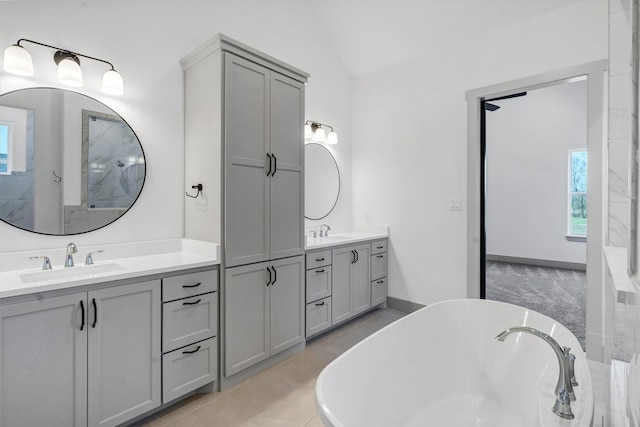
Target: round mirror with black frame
{"points": [[69, 164], [322, 181]]}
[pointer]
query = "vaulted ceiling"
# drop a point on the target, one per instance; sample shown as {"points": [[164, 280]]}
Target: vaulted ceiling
{"points": [[373, 34]]}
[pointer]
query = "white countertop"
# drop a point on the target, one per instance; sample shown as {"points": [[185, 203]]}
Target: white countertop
{"points": [[345, 238], [117, 262]]}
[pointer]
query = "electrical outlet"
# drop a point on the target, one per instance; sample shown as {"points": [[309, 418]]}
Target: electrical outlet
{"points": [[455, 204]]}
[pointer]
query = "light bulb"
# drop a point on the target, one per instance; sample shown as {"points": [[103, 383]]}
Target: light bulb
{"points": [[112, 83], [69, 72], [18, 61], [332, 138], [319, 135], [308, 133]]}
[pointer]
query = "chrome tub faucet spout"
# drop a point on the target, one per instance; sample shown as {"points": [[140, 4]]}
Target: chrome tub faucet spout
{"points": [[71, 249], [564, 389]]}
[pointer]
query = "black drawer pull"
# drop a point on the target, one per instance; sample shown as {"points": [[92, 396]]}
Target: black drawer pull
{"points": [[192, 351], [319, 304], [379, 247], [380, 256], [192, 286], [191, 303], [380, 281], [320, 271], [319, 259]]}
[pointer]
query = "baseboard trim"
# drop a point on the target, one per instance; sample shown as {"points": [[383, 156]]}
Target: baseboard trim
{"points": [[403, 305], [538, 262]]}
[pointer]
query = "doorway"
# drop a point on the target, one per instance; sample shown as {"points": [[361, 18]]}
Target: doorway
{"points": [[535, 188], [476, 212]]}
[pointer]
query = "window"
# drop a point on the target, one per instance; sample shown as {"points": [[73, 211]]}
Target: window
{"points": [[5, 144], [577, 203]]}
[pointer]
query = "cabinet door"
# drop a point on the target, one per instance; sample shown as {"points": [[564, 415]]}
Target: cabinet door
{"points": [[246, 316], [43, 363], [360, 280], [124, 352], [246, 136], [342, 259], [286, 296], [287, 197]]}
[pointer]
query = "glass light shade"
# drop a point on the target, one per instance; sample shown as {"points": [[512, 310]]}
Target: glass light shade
{"points": [[332, 138], [308, 133], [319, 135], [112, 83], [69, 73], [18, 61]]}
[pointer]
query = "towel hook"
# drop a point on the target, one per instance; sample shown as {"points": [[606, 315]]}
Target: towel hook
{"points": [[195, 187]]}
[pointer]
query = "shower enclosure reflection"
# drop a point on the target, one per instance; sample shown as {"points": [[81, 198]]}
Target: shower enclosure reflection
{"points": [[68, 163]]}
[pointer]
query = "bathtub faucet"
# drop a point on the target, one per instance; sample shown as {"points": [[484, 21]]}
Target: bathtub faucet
{"points": [[564, 388]]}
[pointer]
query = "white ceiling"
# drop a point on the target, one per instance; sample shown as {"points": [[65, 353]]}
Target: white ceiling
{"points": [[372, 34]]}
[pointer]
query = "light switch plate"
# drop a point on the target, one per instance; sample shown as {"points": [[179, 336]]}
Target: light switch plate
{"points": [[455, 204]]}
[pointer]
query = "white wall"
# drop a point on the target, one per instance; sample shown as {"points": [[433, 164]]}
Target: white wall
{"points": [[145, 41], [528, 141], [409, 146]]}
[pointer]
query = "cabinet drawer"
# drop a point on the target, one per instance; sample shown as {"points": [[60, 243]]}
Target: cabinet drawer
{"points": [[378, 291], [318, 259], [318, 283], [378, 266], [188, 285], [189, 368], [318, 316], [378, 246], [189, 320]]}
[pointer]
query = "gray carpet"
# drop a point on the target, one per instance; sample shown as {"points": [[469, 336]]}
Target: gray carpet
{"points": [[558, 293]]}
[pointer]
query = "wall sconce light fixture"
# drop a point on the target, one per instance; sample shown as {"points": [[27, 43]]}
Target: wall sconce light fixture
{"points": [[315, 131], [18, 61]]}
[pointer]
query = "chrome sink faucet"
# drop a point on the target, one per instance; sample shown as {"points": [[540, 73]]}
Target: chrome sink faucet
{"points": [[566, 379], [71, 249], [326, 233]]}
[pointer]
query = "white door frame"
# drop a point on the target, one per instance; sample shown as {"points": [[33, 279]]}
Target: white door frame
{"points": [[596, 196]]}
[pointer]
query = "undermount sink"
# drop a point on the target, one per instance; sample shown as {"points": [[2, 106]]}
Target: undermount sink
{"points": [[329, 238], [71, 272]]}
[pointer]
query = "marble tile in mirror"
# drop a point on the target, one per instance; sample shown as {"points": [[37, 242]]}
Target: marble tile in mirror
{"points": [[68, 163]]}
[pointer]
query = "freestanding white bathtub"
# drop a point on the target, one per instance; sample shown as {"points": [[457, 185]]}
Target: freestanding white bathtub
{"points": [[442, 366]]}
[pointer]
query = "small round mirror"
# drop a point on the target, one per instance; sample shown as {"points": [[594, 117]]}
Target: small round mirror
{"points": [[322, 181]]}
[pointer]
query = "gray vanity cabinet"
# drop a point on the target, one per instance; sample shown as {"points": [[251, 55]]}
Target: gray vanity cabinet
{"points": [[351, 294], [90, 358], [263, 112], [263, 312]]}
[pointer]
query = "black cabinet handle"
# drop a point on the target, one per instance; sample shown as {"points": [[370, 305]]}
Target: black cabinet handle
{"points": [[379, 247], [192, 286], [319, 259], [320, 271], [82, 314], [319, 304], [95, 313], [353, 256], [270, 278], [380, 256], [275, 165], [357, 256], [269, 157], [192, 351], [275, 276], [192, 303], [380, 281]]}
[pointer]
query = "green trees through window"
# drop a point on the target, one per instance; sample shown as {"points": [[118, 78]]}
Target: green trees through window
{"points": [[577, 221]]}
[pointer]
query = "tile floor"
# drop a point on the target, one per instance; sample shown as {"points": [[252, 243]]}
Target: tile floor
{"points": [[281, 396]]}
